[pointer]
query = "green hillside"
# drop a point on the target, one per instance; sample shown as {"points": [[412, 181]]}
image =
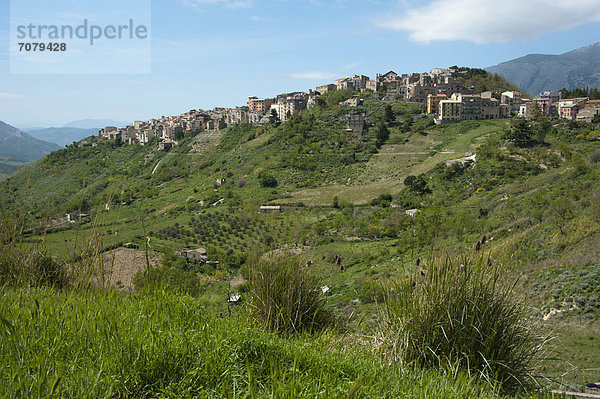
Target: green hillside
{"points": [[9, 165], [532, 192]]}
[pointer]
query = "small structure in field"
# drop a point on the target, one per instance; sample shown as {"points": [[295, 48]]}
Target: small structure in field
{"points": [[197, 254]]}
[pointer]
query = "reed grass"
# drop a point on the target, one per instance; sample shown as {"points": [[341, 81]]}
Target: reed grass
{"points": [[285, 297], [460, 315]]}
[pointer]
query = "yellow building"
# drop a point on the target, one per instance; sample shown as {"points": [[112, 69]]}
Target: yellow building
{"points": [[433, 102]]}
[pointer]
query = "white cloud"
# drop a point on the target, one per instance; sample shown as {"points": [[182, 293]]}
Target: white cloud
{"points": [[485, 21], [313, 75], [224, 3], [11, 96], [261, 19]]}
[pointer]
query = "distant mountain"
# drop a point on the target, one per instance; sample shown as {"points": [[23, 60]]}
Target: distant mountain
{"points": [[95, 123], [535, 73], [62, 135], [20, 144]]}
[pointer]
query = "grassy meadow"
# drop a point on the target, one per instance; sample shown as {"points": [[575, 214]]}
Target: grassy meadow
{"points": [[525, 213]]}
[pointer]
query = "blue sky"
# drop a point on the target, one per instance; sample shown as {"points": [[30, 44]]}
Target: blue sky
{"points": [[208, 53]]}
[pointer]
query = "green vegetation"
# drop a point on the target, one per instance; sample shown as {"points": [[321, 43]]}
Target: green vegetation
{"points": [[531, 188], [456, 313], [73, 344], [592, 94], [285, 297], [9, 164], [481, 80]]}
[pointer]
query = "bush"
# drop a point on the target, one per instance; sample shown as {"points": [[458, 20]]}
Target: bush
{"points": [[285, 298], [21, 267], [383, 200], [458, 314], [416, 183], [266, 180]]}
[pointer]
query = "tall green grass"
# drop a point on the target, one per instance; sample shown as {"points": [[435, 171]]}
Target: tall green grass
{"points": [[96, 344], [26, 266], [459, 314], [27, 263], [285, 297]]}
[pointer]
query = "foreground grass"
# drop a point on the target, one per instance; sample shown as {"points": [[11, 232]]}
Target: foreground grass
{"points": [[90, 344]]}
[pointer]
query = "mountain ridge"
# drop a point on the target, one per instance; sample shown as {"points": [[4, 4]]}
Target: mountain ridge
{"points": [[535, 73], [62, 135], [18, 143]]}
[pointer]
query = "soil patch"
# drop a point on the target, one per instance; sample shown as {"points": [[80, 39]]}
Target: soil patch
{"points": [[125, 263]]}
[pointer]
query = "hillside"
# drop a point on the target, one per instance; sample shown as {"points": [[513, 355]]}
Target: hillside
{"points": [[535, 73], [344, 204], [9, 164], [20, 144]]}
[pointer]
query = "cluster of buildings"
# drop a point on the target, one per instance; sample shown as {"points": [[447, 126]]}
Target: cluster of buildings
{"points": [[551, 103], [466, 107], [169, 129], [413, 87], [441, 90], [447, 99]]}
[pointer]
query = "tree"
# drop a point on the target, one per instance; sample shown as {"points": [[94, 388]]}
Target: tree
{"points": [[536, 111], [274, 118], [382, 134], [336, 202], [388, 114], [266, 180], [416, 183], [383, 200], [407, 122], [561, 210], [520, 133], [320, 101], [178, 133], [542, 129]]}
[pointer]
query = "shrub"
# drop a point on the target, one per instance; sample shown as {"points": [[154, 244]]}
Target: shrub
{"points": [[31, 268], [285, 298], [266, 180], [458, 314], [21, 267], [383, 200], [416, 183]]}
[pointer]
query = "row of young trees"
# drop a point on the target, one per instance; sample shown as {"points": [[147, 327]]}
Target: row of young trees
{"points": [[592, 94]]}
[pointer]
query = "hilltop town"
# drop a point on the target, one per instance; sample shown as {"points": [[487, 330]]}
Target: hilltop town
{"points": [[441, 92]]}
